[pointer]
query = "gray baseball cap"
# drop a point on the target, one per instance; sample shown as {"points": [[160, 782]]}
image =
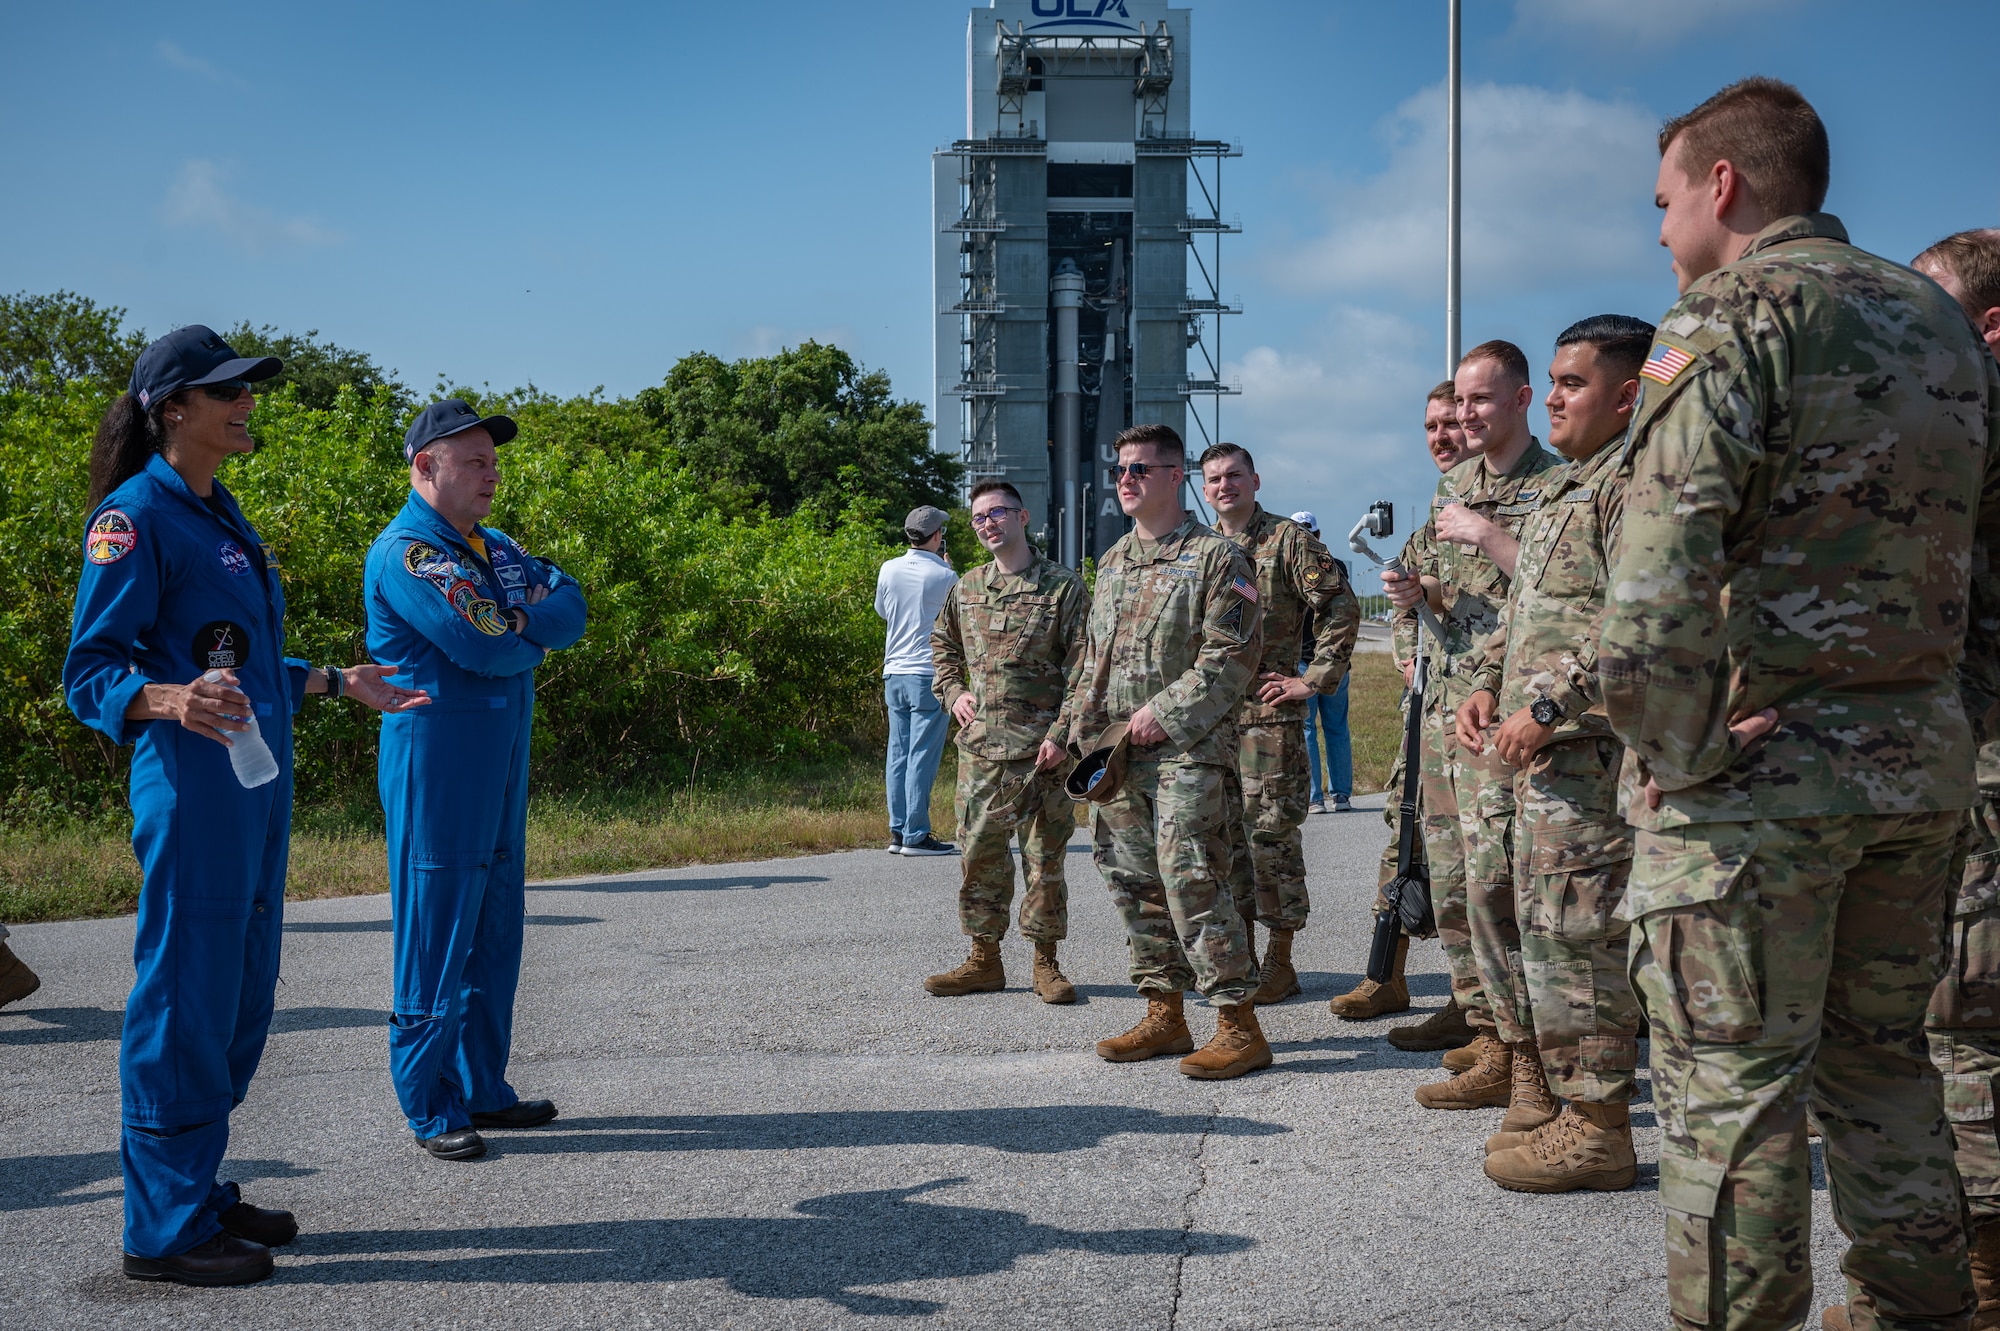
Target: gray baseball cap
{"points": [[925, 522]]}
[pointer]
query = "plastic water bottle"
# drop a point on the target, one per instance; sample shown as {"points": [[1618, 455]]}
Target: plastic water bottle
{"points": [[248, 753]]}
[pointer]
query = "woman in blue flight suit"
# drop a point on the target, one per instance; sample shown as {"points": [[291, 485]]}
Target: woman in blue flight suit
{"points": [[176, 584], [470, 615]]}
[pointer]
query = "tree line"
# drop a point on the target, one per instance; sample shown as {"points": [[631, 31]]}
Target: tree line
{"points": [[726, 525]]}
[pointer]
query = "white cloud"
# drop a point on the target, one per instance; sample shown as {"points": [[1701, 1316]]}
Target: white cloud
{"points": [[1339, 424], [198, 198], [1556, 186], [1630, 20], [172, 53]]}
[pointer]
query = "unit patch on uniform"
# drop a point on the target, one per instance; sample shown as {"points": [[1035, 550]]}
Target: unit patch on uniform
{"points": [[511, 575], [1666, 363], [232, 557], [434, 566], [221, 645], [111, 538], [1231, 621]]}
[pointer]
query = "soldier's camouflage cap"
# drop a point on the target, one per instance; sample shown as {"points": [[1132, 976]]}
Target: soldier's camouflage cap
{"points": [[1101, 773]]}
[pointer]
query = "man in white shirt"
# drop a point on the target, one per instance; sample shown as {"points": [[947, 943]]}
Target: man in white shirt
{"points": [[909, 592]]}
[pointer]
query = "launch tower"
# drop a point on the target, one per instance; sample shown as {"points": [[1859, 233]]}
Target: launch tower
{"points": [[1079, 234]]}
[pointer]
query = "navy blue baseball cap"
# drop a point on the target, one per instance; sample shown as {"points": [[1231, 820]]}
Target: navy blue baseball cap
{"points": [[189, 357], [448, 417]]}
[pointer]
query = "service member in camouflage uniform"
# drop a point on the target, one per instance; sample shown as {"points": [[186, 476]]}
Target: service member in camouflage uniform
{"points": [[1572, 849], [1964, 1017], [1444, 439], [1006, 647], [1174, 635], [1297, 580], [1814, 486], [1465, 558]]}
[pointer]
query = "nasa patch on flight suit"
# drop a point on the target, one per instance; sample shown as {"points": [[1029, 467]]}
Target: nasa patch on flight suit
{"points": [[221, 645]]}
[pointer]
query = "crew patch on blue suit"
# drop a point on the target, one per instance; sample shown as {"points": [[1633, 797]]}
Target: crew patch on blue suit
{"points": [[511, 575], [232, 557], [221, 645], [111, 537], [460, 586]]}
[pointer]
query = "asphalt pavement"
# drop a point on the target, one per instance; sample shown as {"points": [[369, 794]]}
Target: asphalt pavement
{"points": [[767, 1123]]}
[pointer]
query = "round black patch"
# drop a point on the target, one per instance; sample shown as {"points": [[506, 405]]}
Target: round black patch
{"points": [[221, 645]]}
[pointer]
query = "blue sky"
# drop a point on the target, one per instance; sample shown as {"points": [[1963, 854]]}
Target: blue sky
{"points": [[578, 195]]}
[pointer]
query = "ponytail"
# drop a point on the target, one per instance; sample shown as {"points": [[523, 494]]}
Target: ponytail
{"points": [[126, 438]]}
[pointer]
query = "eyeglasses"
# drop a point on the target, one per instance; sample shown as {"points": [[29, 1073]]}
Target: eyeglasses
{"points": [[228, 390], [993, 515], [1139, 471]]}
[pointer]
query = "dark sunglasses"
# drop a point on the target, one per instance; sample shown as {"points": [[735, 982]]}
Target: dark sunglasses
{"points": [[1139, 471], [226, 391]]}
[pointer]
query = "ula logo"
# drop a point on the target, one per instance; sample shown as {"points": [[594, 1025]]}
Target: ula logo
{"points": [[1077, 12]]}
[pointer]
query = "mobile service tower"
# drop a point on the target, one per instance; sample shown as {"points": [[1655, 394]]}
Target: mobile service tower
{"points": [[1079, 231]]}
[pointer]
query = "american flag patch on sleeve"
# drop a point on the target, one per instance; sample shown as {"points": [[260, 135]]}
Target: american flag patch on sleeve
{"points": [[1665, 363], [1247, 589]]}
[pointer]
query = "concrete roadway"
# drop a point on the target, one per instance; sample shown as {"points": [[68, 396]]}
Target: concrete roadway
{"points": [[767, 1123]]}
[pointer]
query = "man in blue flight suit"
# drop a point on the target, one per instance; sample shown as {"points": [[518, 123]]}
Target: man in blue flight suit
{"points": [[467, 615]]}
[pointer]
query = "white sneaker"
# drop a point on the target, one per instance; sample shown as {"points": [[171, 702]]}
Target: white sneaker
{"points": [[1316, 807]]}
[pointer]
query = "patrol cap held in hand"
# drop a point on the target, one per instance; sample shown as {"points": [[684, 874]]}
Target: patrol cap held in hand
{"points": [[1101, 773], [924, 522], [190, 357], [440, 420]]}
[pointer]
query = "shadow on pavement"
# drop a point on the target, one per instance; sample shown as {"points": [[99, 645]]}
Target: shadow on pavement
{"points": [[288, 1020], [66, 1025], [733, 884], [382, 926], [833, 1248], [31, 1181], [1032, 1130]]}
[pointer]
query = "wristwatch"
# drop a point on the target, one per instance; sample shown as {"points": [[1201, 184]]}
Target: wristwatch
{"points": [[1546, 711]]}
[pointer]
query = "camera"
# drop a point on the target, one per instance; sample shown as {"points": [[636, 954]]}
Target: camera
{"points": [[1381, 519]]}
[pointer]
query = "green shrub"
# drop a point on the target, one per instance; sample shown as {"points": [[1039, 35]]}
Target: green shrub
{"points": [[715, 641]]}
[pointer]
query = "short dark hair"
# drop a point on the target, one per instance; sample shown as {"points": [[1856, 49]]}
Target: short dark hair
{"points": [[1973, 260], [1620, 340], [1444, 392], [1502, 353], [1164, 441], [1769, 132], [1215, 452], [994, 487]]}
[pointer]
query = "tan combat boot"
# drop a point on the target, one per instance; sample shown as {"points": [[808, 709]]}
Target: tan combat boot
{"points": [[1281, 980], [1443, 1029], [1487, 1084], [1051, 985], [16, 980], [1163, 1030], [1369, 1000], [1986, 1275], [1531, 1103], [979, 973], [1239, 1046], [1463, 1057], [1589, 1146]]}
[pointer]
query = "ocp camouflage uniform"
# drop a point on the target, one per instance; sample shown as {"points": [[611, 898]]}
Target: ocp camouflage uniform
{"points": [[1174, 624], [1469, 798], [1572, 848], [1963, 1022], [1015, 642], [1809, 459], [1295, 577]]}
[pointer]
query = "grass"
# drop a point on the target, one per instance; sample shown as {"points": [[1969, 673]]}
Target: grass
{"points": [[85, 869]]}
